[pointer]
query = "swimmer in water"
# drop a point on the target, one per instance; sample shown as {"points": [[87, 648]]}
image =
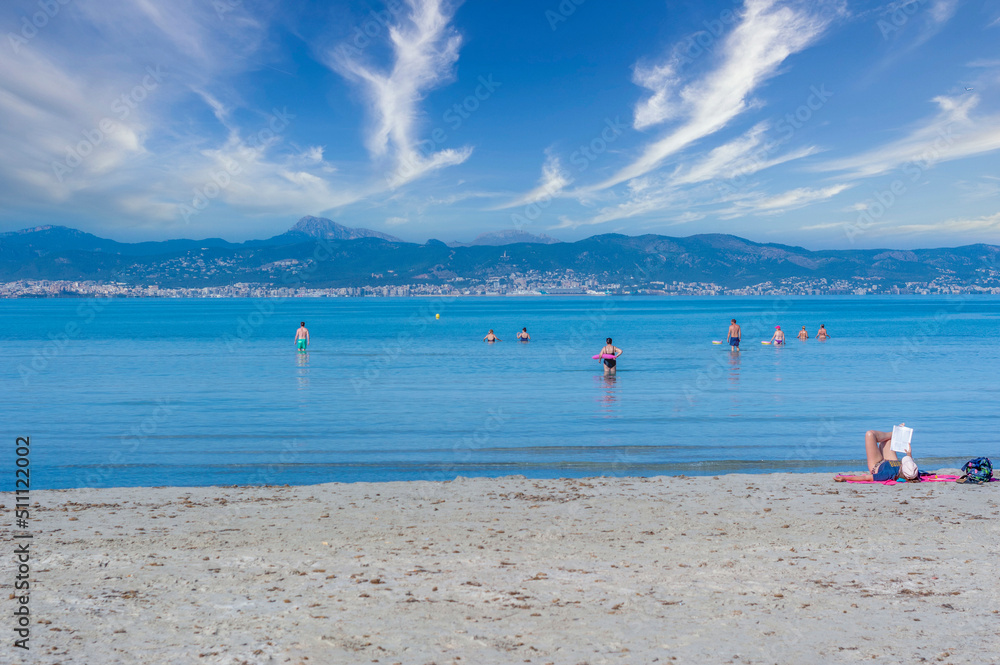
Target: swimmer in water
{"points": [[822, 334], [778, 337], [610, 363], [523, 335], [803, 334], [490, 337], [302, 337], [734, 335]]}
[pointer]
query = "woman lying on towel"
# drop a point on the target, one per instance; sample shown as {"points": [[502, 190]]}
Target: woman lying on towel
{"points": [[883, 464]]}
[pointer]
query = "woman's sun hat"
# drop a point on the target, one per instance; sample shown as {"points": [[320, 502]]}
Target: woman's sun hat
{"points": [[909, 469]]}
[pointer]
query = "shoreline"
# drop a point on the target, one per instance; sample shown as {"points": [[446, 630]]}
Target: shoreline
{"points": [[454, 296], [585, 471], [741, 568]]}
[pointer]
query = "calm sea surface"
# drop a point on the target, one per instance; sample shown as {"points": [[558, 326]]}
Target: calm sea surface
{"points": [[152, 392]]}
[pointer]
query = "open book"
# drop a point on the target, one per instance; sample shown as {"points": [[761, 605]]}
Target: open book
{"points": [[901, 437]]}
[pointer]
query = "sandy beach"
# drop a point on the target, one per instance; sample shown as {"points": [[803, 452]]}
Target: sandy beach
{"points": [[782, 568]]}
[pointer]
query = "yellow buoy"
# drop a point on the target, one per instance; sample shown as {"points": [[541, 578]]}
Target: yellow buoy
{"points": [[437, 316]]}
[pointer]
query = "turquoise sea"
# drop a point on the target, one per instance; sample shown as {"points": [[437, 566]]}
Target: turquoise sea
{"points": [[148, 392]]}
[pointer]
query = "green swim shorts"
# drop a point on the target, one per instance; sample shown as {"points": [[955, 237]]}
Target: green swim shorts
{"points": [[301, 344]]}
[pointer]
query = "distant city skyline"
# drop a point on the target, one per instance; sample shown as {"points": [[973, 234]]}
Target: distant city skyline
{"points": [[828, 124]]}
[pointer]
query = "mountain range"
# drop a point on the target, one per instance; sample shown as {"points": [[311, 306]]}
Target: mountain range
{"points": [[357, 257], [507, 237]]}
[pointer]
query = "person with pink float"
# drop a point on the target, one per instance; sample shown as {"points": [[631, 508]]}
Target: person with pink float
{"points": [[609, 356]]}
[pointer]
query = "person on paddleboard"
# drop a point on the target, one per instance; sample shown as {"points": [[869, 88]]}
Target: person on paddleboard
{"points": [[609, 363]]}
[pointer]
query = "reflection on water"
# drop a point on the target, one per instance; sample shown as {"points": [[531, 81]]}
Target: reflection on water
{"points": [[303, 370], [735, 401], [608, 398], [734, 368]]}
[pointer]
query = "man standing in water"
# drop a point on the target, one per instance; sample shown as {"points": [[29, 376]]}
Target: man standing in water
{"points": [[302, 337], [609, 363], [734, 335], [803, 334]]}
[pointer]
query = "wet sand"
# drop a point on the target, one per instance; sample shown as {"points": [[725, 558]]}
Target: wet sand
{"points": [[780, 568]]}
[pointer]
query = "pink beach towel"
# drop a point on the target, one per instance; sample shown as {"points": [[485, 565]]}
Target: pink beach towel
{"points": [[924, 479]]}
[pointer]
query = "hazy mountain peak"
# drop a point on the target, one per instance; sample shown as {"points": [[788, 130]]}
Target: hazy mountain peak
{"points": [[45, 227], [321, 227], [511, 236]]}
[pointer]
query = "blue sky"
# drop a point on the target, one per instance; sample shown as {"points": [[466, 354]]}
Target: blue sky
{"points": [[821, 124]]}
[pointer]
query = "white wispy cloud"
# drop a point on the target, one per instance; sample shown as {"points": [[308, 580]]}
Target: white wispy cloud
{"points": [[740, 158], [974, 229], [767, 34], [660, 80], [796, 198], [942, 10], [645, 196], [61, 132], [219, 110], [953, 133], [104, 110], [263, 177], [431, 200], [790, 200], [823, 226], [976, 225], [553, 181], [987, 188], [425, 49], [929, 14], [99, 131], [725, 160], [699, 186], [200, 43], [688, 217], [907, 25]]}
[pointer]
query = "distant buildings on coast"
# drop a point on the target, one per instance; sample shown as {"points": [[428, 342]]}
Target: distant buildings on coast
{"points": [[515, 284]]}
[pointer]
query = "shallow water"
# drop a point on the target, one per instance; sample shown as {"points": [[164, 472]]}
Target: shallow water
{"points": [[211, 391]]}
